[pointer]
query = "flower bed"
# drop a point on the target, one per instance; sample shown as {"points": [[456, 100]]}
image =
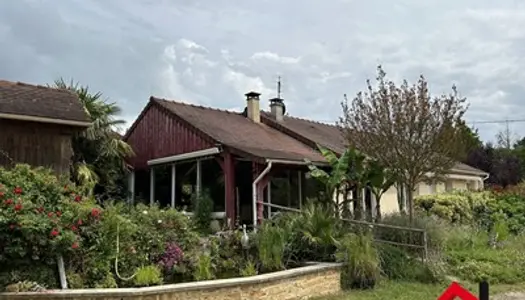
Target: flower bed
{"points": [[299, 283]]}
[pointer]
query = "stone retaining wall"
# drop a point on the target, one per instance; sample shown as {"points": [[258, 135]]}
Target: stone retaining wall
{"points": [[300, 283]]}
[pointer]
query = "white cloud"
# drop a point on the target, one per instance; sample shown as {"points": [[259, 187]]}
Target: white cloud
{"points": [[275, 57]]}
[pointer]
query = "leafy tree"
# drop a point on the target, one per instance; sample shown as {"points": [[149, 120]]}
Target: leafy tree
{"points": [[99, 151], [471, 137], [406, 130]]}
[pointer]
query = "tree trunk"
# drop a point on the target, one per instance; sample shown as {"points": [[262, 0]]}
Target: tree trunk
{"points": [[410, 204], [378, 208], [401, 197], [358, 213]]}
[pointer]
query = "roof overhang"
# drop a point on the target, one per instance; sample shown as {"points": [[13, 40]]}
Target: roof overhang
{"points": [[185, 156], [44, 120]]}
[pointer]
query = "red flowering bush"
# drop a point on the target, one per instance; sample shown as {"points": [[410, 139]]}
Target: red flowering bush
{"points": [[41, 216]]}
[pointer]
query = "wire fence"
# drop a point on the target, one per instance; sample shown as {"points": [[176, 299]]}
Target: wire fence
{"points": [[399, 236]]}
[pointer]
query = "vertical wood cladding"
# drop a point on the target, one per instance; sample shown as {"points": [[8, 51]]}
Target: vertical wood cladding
{"points": [[158, 134], [36, 144]]}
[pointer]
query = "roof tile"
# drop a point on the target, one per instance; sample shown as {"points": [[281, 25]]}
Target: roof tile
{"points": [[331, 136], [233, 129], [39, 101]]}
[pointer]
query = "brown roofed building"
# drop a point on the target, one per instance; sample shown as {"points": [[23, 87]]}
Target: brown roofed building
{"points": [[37, 123], [312, 133], [260, 156], [179, 139]]}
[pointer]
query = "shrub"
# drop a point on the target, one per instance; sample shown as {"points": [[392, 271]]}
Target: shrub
{"points": [[202, 214], [42, 217], [229, 257], [512, 206], [148, 276], [396, 264], [360, 262], [470, 257], [460, 207], [311, 234], [271, 245]]}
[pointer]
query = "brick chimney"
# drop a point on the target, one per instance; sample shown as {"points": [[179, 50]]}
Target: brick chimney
{"points": [[277, 108], [252, 107]]}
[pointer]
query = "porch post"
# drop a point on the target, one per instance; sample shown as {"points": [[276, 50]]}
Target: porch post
{"points": [[173, 184], [199, 178], [289, 187], [131, 187], [269, 196], [152, 186], [257, 170], [229, 187], [300, 184]]}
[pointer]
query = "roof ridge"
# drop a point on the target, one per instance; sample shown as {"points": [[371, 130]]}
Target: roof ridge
{"points": [[196, 105], [306, 120]]}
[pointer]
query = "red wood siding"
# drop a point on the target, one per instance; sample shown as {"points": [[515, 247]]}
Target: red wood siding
{"points": [[157, 134]]}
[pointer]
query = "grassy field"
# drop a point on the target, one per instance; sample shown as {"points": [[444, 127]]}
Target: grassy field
{"points": [[411, 291]]}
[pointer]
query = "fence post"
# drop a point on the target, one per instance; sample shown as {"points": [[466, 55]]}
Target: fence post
{"points": [[483, 290], [425, 246]]}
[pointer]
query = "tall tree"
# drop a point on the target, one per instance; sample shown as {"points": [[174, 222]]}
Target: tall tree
{"points": [[406, 130], [99, 152]]}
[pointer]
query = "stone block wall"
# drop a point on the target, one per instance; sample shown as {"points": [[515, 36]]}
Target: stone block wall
{"points": [[300, 283]]}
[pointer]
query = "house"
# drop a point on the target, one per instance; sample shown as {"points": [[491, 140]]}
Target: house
{"points": [[461, 177], [181, 150], [240, 159], [36, 125]]}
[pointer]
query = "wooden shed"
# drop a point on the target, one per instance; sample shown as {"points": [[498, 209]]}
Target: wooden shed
{"points": [[37, 124]]}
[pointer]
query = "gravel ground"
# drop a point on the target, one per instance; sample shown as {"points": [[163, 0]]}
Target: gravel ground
{"points": [[510, 296]]}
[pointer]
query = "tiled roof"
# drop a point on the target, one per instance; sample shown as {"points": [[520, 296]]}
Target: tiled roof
{"points": [[463, 168], [233, 129], [331, 136], [326, 135], [18, 98]]}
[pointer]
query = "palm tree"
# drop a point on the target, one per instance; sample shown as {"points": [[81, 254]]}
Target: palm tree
{"points": [[99, 152], [347, 173], [352, 171]]}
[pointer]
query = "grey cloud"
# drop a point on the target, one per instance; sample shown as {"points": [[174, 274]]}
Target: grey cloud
{"points": [[133, 49]]}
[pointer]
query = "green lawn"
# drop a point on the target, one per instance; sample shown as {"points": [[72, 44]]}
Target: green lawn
{"points": [[414, 291]]}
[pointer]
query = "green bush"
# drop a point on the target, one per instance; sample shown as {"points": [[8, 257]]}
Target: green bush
{"points": [[203, 211], [271, 243], [361, 265], [148, 276], [42, 217], [470, 257], [461, 207], [311, 234], [396, 264]]}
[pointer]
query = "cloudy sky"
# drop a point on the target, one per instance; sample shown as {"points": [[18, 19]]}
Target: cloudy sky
{"points": [[211, 52]]}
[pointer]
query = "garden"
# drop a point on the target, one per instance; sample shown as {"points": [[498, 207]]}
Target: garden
{"points": [[48, 226]]}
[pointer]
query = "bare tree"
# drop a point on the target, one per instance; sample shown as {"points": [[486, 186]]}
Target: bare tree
{"points": [[415, 136]]}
